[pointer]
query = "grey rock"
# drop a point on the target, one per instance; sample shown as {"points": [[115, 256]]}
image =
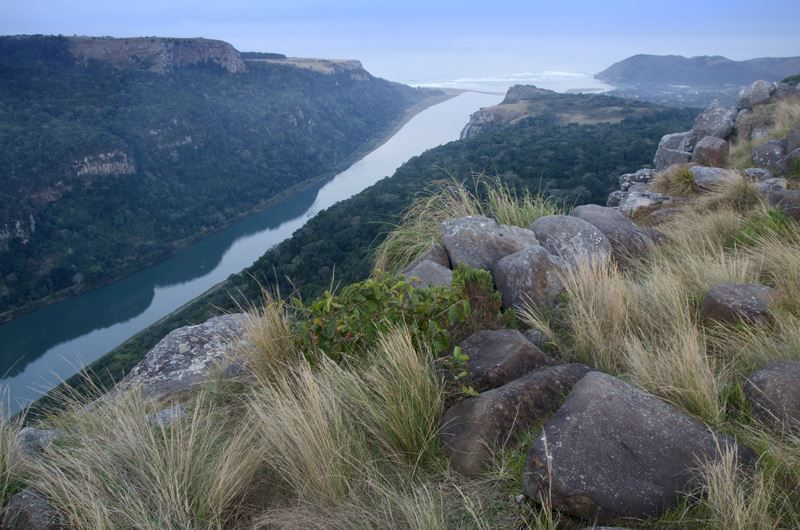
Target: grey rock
{"points": [[793, 139], [531, 276], [786, 200], [664, 215], [33, 442], [436, 253], [573, 240], [536, 338], [614, 198], [736, 302], [711, 151], [427, 274], [791, 163], [670, 157], [166, 417], [497, 357], [613, 450], [713, 178], [475, 428], [627, 240], [716, 121], [770, 155], [744, 125], [28, 510], [757, 93], [759, 132], [758, 173], [640, 203], [187, 357], [767, 186], [671, 150], [643, 176], [775, 394], [480, 242]]}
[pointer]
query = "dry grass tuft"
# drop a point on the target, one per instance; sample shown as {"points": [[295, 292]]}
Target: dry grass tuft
{"points": [[676, 180], [11, 467]]}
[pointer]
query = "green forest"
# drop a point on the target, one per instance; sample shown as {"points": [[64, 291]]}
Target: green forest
{"points": [[196, 149], [573, 163]]}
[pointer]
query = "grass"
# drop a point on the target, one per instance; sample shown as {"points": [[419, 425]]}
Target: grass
{"points": [[420, 226], [676, 180], [776, 119], [11, 466]]}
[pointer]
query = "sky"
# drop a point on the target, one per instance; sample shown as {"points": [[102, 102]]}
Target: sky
{"points": [[421, 40]]}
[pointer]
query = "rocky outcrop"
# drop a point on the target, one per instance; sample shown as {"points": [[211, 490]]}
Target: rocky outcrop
{"points": [[613, 450], [21, 229], [627, 240], [480, 242], [672, 149], [497, 357], [711, 151], [774, 394], [712, 178], [187, 357], [759, 92], [474, 429], [770, 155], [737, 302], [716, 121], [479, 121], [530, 277], [114, 162], [161, 55], [573, 240]]}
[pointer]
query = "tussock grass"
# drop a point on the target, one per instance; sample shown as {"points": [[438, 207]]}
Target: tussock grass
{"points": [[739, 195], [11, 466], [116, 469], [777, 119], [420, 225], [675, 180]]}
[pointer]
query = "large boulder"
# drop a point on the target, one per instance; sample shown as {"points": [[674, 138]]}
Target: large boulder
{"points": [[791, 163], [786, 200], [711, 151], [744, 125], [475, 428], [480, 242], [672, 149], [715, 120], [531, 276], [770, 155], [32, 442], [187, 357], [767, 186], [572, 239], [757, 93], [627, 240], [640, 203], [613, 450], [641, 177], [712, 178], [497, 357], [737, 302], [428, 273], [28, 510], [435, 253], [774, 392], [758, 173]]}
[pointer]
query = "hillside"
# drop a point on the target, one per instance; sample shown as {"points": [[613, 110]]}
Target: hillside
{"points": [[572, 163], [116, 152]]}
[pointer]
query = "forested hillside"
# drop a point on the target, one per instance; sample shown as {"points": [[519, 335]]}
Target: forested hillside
{"points": [[109, 165]]}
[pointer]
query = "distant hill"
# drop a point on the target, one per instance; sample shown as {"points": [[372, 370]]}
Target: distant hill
{"points": [[703, 71], [116, 152]]}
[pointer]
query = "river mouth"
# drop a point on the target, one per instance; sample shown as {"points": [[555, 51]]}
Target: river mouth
{"points": [[43, 348]]}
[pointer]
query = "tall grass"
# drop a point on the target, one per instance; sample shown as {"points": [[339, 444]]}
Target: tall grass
{"points": [[11, 465], [777, 119], [420, 225]]}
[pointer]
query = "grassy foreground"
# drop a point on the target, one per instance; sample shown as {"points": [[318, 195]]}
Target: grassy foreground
{"points": [[336, 425]]}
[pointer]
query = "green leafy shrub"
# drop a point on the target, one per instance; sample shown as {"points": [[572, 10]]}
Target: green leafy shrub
{"points": [[792, 79], [350, 321]]}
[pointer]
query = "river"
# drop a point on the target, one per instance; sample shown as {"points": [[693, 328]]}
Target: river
{"points": [[40, 349]]}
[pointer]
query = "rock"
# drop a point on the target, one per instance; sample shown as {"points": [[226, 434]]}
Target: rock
{"points": [[786, 200], [744, 125], [643, 176], [758, 173], [480, 242], [614, 198], [791, 163], [736, 302], [627, 240], [711, 151], [28, 510], [536, 338], [770, 155], [765, 187], [166, 417], [775, 394], [713, 178], [759, 132], [436, 253], [531, 276], [33, 442], [187, 356], [759, 92], [664, 215], [427, 274], [497, 357], [670, 157], [715, 121], [475, 428], [639, 203], [572, 239], [613, 450], [793, 139]]}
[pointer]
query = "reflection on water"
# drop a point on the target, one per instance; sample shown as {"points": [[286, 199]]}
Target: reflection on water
{"points": [[38, 350]]}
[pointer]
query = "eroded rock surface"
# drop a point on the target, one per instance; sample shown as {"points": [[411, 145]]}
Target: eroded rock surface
{"points": [[480, 242], [774, 392], [573, 240], [737, 302], [28, 510], [530, 277], [627, 240], [427, 274]]}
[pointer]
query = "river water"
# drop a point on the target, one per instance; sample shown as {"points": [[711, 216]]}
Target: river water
{"points": [[41, 349]]}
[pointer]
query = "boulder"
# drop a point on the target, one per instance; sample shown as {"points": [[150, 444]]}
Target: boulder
{"points": [[639, 203], [770, 155], [716, 121], [614, 198], [774, 393], [531, 276], [475, 428], [670, 157], [187, 357], [627, 240], [757, 93], [613, 450], [744, 125], [28, 510], [497, 357], [427, 273], [537, 338], [736, 302], [791, 163], [765, 187], [480, 242], [664, 215], [711, 151], [643, 176], [712, 178], [572, 239], [33, 442], [793, 139], [758, 173], [786, 200], [436, 253], [166, 417]]}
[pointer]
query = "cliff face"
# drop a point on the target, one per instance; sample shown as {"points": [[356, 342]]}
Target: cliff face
{"points": [[160, 55]]}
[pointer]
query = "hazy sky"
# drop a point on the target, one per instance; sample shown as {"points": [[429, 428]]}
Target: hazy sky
{"points": [[423, 39]]}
